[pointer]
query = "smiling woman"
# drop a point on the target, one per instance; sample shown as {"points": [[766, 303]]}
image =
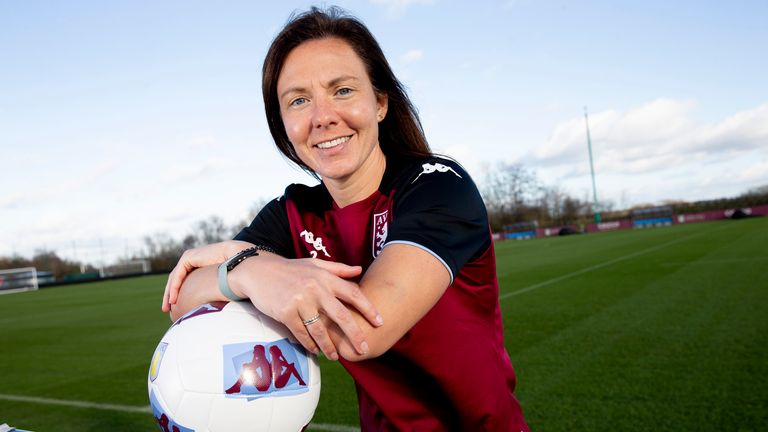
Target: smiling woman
{"points": [[331, 111], [387, 265]]}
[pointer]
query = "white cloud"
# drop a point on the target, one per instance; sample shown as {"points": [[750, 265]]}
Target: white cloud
{"points": [[15, 200], [399, 6], [412, 56], [511, 4], [658, 151], [654, 136], [204, 143], [741, 131], [198, 170], [756, 173]]}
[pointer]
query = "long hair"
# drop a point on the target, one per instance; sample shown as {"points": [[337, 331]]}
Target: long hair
{"points": [[400, 132]]}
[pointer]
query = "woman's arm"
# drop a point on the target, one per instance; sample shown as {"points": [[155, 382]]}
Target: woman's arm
{"points": [[192, 259], [404, 283], [199, 287], [289, 291]]}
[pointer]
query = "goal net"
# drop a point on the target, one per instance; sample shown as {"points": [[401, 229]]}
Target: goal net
{"points": [[18, 279]]}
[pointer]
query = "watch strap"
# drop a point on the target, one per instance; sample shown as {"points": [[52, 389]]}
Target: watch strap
{"points": [[231, 263], [241, 256], [224, 285], [228, 265]]}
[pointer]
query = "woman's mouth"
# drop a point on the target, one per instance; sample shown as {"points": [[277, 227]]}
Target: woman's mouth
{"points": [[333, 143]]}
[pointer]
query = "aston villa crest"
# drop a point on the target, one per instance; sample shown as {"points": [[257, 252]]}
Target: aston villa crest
{"points": [[379, 231]]}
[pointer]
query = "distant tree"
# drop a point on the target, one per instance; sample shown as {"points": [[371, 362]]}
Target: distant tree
{"points": [[752, 197], [575, 212], [162, 251], [48, 260], [758, 191], [211, 230], [510, 192], [252, 212], [14, 261], [189, 241]]}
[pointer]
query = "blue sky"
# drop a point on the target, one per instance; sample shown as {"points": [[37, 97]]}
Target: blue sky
{"points": [[122, 119]]}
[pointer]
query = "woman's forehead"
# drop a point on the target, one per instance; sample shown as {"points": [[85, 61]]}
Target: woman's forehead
{"points": [[322, 61]]}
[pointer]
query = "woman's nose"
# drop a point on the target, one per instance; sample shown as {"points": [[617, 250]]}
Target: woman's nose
{"points": [[324, 114]]}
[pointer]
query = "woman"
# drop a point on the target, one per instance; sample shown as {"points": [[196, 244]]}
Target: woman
{"points": [[388, 263]]}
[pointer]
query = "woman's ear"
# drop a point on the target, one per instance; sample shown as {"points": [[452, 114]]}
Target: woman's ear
{"points": [[382, 100]]}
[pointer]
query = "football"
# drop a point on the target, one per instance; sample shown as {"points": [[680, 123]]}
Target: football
{"points": [[228, 367]]}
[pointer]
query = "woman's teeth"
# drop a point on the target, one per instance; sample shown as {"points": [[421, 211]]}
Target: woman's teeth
{"points": [[332, 143]]}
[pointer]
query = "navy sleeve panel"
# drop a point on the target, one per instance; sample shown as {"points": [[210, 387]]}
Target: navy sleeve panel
{"points": [[439, 208], [270, 228]]}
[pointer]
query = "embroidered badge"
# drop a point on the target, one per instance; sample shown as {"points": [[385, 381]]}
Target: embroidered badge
{"points": [[380, 226]]}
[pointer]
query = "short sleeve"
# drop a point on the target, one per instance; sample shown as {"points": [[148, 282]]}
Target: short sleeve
{"points": [[270, 228], [439, 209]]}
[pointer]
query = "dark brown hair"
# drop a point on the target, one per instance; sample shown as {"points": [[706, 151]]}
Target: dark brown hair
{"points": [[400, 133]]}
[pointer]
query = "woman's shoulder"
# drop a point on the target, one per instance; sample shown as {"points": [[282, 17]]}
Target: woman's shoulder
{"points": [[441, 171]]}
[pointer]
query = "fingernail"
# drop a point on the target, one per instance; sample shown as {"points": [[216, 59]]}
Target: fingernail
{"points": [[364, 347], [334, 356], [379, 320]]}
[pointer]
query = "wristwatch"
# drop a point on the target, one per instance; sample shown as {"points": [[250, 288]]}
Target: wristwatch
{"points": [[231, 263]]}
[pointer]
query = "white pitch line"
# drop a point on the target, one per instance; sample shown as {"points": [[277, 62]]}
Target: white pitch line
{"points": [[593, 268], [78, 404], [332, 427], [142, 410]]}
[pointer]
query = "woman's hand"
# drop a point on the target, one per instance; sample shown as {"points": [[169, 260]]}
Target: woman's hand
{"points": [[191, 259], [294, 291]]}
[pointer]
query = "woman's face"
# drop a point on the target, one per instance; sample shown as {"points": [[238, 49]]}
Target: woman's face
{"points": [[330, 110]]}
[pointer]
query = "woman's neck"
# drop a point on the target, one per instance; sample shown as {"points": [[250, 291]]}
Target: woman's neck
{"points": [[360, 184]]}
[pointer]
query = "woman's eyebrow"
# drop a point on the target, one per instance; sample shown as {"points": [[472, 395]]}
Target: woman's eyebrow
{"points": [[332, 83], [336, 81]]}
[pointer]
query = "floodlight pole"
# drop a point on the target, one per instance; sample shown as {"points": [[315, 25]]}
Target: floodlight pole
{"points": [[592, 169]]}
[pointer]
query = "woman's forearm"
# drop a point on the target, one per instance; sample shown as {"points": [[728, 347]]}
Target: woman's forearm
{"points": [[199, 287]]}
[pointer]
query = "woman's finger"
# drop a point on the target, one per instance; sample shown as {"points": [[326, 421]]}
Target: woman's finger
{"points": [[338, 269], [350, 293], [165, 306], [302, 335], [320, 335], [176, 279], [338, 313], [195, 258]]}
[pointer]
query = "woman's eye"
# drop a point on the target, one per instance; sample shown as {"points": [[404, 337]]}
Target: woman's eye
{"points": [[298, 101], [344, 91]]}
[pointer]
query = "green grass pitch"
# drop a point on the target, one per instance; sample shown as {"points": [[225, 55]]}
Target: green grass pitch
{"points": [[649, 330]]}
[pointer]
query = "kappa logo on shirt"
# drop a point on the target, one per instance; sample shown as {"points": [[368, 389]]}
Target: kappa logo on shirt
{"points": [[379, 232], [437, 167], [317, 243]]}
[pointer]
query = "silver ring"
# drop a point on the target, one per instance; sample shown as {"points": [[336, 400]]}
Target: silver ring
{"points": [[312, 320]]}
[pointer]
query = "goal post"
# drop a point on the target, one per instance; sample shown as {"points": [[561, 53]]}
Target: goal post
{"points": [[18, 279]]}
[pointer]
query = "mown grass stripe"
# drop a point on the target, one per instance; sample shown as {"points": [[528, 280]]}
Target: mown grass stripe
{"points": [[142, 410], [597, 266], [77, 404]]}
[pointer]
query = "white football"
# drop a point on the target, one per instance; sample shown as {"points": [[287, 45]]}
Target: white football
{"points": [[228, 367]]}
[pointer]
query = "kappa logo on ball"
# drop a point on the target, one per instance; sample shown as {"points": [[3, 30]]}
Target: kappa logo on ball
{"points": [[255, 370]]}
